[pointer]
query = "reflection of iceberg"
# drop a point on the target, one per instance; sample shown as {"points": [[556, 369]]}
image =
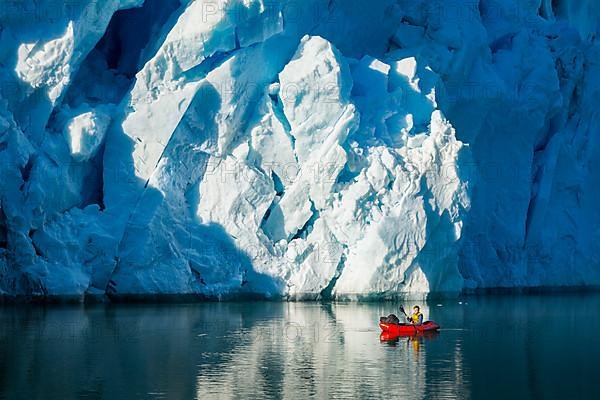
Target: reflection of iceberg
{"points": [[233, 350], [240, 349], [329, 351]]}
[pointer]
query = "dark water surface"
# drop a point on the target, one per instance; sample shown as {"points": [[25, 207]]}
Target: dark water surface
{"points": [[502, 347]]}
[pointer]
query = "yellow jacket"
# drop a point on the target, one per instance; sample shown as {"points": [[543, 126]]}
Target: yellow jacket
{"points": [[416, 318]]}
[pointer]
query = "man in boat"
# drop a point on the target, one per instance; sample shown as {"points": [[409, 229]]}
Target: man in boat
{"points": [[416, 318]]}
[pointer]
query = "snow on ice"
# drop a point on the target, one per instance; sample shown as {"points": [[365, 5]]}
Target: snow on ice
{"points": [[301, 150]]}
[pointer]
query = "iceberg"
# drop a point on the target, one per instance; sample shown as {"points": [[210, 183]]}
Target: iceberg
{"points": [[324, 149]]}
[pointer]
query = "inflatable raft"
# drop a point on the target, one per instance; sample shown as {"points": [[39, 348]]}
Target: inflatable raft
{"points": [[408, 329]]}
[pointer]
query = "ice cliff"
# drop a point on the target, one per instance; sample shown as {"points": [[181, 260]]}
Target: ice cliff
{"points": [[298, 149]]}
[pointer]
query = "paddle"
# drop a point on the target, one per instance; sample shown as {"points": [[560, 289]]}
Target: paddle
{"points": [[402, 311]]}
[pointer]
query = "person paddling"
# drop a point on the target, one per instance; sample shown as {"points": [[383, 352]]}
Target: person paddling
{"points": [[416, 318], [415, 326]]}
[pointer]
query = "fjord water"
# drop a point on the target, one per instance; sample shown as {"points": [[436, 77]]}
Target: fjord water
{"points": [[529, 347]]}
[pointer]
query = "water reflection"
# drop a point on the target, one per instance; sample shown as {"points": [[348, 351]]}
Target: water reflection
{"points": [[293, 350], [319, 351], [415, 340]]}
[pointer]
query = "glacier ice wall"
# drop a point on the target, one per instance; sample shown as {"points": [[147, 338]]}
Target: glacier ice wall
{"points": [[310, 149]]}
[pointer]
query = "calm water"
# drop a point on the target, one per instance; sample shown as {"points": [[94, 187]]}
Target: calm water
{"points": [[537, 347]]}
